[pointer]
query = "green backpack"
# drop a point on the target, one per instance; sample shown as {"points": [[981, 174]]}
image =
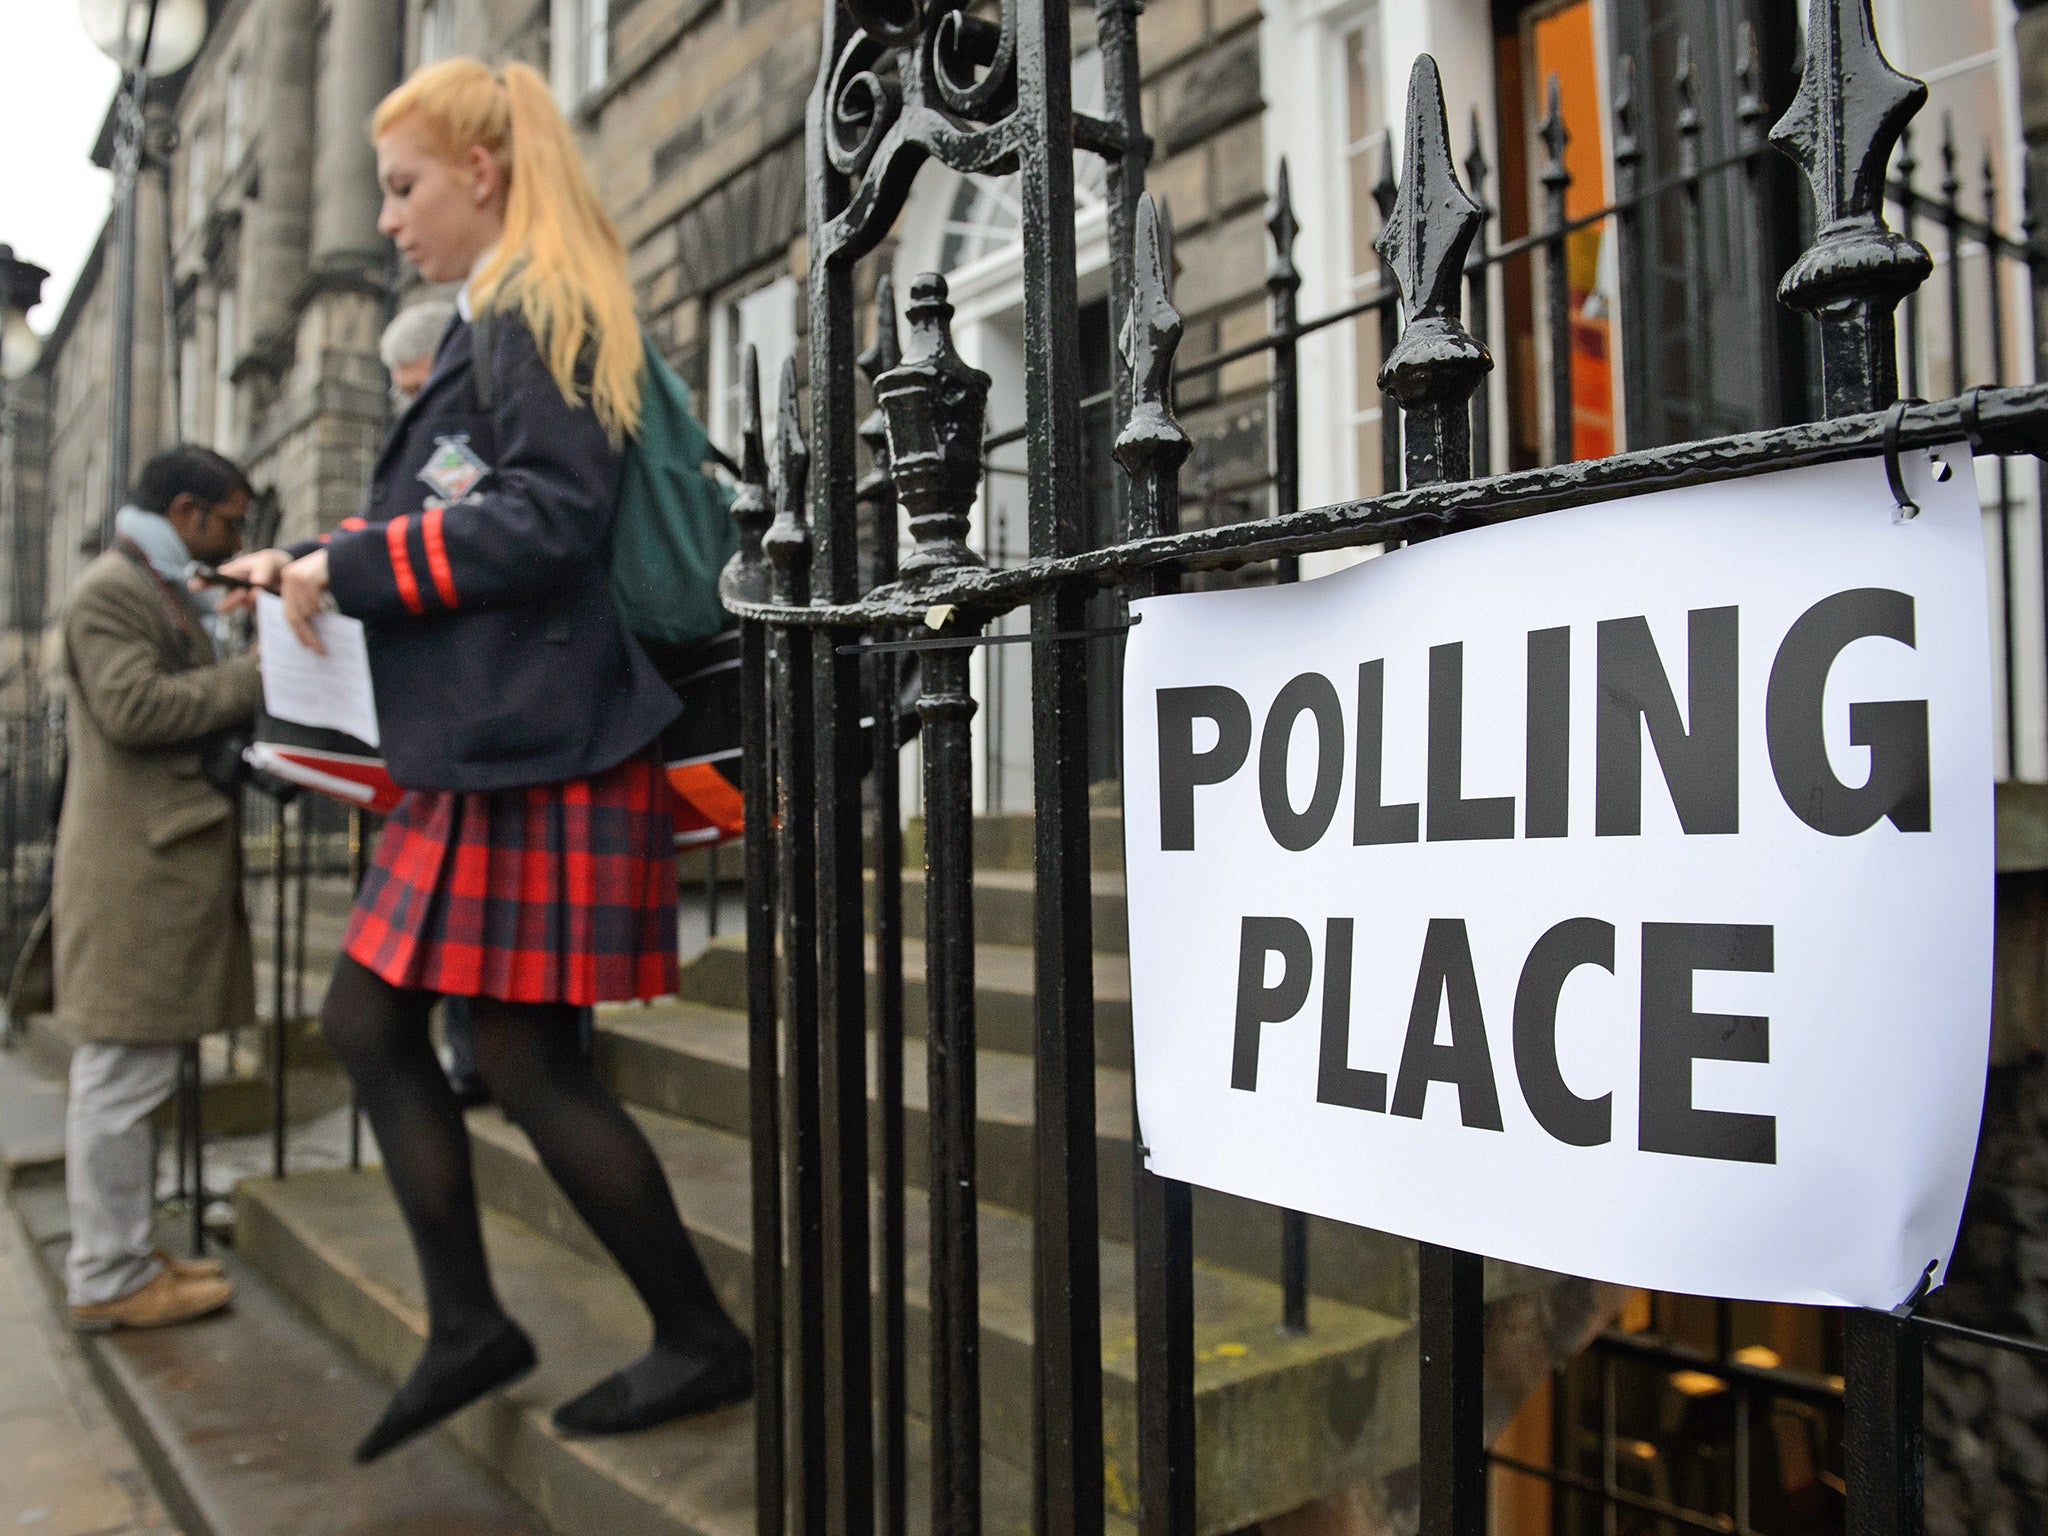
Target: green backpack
{"points": [[674, 530]]}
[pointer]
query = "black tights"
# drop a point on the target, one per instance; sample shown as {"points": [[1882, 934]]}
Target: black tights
{"points": [[528, 1056]]}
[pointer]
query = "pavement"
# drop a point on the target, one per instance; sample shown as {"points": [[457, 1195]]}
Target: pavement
{"points": [[66, 1469]]}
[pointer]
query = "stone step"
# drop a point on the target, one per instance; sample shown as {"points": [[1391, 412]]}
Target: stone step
{"points": [[244, 1420], [1003, 840], [335, 1243], [691, 1062], [1003, 994], [1280, 1419], [1003, 906]]}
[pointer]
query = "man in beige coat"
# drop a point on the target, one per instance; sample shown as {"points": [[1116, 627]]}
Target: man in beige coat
{"points": [[152, 941]]}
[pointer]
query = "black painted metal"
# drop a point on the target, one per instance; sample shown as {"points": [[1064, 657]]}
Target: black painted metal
{"points": [[1851, 108], [787, 544], [358, 866], [932, 406], [878, 495], [1152, 447], [1994, 304], [1952, 225], [1557, 286], [1628, 247], [752, 511], [1909, 212], [1433, 371], [1383, 190], [191, 1126], [1283, 292], [1478, 293], [1699, 309]]}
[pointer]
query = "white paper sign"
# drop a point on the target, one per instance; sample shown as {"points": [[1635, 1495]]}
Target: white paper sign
{"points": [[306, 688], [1608, 891]]}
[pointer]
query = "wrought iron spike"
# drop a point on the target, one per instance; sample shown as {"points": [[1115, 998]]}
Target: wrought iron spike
{"points": [[1433, 218], [882, 355], [1686, 79], [1476, 167], [788, 539], [1152, 442], [934, 403], [750, 505], [1628, 148], [1282, 274], [1909, 163], [1750, 110], [2030, 219], [1990, 179], [1555, 137], [1951, 181], [1850, 110], [1385, 189], [1434, 367]]}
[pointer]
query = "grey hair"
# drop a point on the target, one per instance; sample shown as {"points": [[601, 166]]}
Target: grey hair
{"points": [[415, 332]]}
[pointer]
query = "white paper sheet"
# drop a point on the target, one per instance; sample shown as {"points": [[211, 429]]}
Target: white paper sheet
{"points": [[1788, 1115], [332, 691]]}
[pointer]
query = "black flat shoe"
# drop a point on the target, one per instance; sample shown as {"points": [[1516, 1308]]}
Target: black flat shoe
{"points": [[446, 1380], [663, 1384]]}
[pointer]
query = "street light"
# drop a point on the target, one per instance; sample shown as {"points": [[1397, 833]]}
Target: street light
{"points": [[21, 289], [146, 38]]}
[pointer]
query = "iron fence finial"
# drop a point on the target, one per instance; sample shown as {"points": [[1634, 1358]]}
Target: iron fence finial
{"points": [[1476, 168], [1850, 109], [787, 542], [1282, 274], [933, 404], [1153, 446], [1750, 110], [1434, 367], [750, 503], [1686, 78], [1555, 137], [881, 356], [1628, 148]]}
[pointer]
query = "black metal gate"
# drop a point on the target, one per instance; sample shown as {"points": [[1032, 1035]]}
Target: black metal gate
{"points": [[826, 624]]}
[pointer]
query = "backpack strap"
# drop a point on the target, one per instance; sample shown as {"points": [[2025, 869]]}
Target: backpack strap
{"points": [[481, 360]]}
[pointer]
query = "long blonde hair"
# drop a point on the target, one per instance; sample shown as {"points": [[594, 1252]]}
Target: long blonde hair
{"points": [[561, 261]]}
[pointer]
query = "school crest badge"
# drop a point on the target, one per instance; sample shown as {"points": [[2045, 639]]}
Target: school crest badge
{"points": [[452, 470]]}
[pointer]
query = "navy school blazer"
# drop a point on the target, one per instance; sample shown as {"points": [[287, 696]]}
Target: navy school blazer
{"points": [[481, 572]]}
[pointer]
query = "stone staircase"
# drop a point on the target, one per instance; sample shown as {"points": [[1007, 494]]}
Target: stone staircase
{"points": [[1281, 1420]]}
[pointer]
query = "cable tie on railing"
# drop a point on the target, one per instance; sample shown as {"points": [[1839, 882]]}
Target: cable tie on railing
{"points": [[1894, 471], [1905, 1309]]}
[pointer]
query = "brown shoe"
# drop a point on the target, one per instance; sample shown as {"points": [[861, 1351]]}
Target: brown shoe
{"points": [[191, 1269], [167, 1299]]}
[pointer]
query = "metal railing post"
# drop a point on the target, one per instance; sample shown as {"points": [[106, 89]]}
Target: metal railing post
{"points": [[1557, 182], [787, 543], [1432, 371], [280, 957], [752, 512], [932, 406], [1152, 447], [1841, 127], [1994, 295], [1698, 298], [878, 491], [1628, 254], [1283, 293]]}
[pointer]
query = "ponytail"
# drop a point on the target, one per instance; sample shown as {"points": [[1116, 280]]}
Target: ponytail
{"points": [[560, 262]]}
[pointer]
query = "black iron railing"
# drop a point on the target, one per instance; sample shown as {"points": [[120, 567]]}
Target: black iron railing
{"points": [[898, 86]]}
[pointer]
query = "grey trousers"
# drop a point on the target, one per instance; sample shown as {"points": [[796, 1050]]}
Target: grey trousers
{"points": [[109, 1167]]}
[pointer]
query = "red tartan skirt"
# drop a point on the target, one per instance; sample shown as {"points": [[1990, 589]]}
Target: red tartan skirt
{"points": [[561, 893]]}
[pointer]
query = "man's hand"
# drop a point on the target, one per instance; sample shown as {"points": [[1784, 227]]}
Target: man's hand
{"points": [[259, 568], [304, 586]]}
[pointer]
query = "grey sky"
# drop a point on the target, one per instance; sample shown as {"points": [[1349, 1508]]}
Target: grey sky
{"points": [[54, 90]]}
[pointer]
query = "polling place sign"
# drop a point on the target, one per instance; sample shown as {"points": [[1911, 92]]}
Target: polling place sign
{"points": [[1608, 891]]}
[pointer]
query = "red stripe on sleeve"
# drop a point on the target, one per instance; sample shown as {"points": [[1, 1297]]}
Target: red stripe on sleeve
{"points": [[437, 557], [401, 565], [351, 524]]}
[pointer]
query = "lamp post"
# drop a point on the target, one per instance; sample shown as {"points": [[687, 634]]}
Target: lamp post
{"points": [[21, 289], [148, 39]]}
